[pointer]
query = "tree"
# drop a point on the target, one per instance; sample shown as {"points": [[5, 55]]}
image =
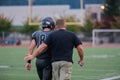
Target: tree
{"points": [[88, 27], [73, 28], [5, 23], [29, 29], [116, 25], [112, 10]]}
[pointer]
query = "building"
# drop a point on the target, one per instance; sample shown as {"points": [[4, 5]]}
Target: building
{"points": [[18, 10]]}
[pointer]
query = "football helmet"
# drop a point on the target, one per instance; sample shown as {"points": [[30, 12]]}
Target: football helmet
{"points": [[48, 22]]}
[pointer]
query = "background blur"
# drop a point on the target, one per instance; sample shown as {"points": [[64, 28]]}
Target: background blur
{"points": [[16, 18], [95, 22]]}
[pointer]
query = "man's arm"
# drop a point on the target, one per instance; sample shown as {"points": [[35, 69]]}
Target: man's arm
{"points": [[31, 48], [40, 49], [81, 55]]}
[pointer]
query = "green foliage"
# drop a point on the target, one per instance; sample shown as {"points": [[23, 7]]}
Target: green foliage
{"points": [[70, 19], [88, 27], [16, 28], [5, 23], [29, 29], [112, 8], [116, 24], [73, 28]]}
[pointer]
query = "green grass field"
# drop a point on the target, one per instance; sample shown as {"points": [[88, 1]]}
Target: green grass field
{"points": [[100, 63]]}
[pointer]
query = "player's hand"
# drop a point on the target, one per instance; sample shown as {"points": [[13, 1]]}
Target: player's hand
{"points": [[28, 66], [81, 63], [29, 57]]}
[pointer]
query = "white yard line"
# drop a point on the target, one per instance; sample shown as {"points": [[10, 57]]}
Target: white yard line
{"points": [[111, 78], [2, 66]]}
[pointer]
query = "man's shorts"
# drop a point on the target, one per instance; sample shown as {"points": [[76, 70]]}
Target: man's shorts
{"points": [[62, 70]]}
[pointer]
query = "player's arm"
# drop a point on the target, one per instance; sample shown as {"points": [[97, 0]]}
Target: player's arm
{"points": [[81, 54], [40, 49], [31, 48]]}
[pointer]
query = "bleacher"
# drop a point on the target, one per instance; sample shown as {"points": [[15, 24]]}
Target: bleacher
{"points": [[74, 4]]}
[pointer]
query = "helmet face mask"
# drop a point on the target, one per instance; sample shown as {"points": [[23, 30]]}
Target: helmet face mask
{"points": [[48, 22]]}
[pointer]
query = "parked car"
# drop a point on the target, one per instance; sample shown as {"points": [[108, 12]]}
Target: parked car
{"points": [[12, 41]]}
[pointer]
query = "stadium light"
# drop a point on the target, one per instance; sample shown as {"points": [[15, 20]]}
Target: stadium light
{"points": [[102, 7]]}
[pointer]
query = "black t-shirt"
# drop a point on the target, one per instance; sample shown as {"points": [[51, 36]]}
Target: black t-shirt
{"points": [[62, 43], [39, 37]]}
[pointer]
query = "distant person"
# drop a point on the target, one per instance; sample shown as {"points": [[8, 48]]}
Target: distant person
{"points": [[62, 43], [43, 63]]}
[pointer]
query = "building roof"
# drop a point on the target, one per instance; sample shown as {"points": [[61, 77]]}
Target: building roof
{"points": [[74, 4]]}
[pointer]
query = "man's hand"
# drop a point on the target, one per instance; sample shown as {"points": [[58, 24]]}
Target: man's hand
{"points": [[81, 63], [28, 66], [29, 57]]}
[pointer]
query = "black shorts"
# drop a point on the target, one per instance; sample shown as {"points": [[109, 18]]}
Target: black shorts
{"points": [[44, 69]]}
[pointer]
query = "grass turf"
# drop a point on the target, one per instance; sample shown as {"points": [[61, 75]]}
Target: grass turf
{"points": [[100, 63]]}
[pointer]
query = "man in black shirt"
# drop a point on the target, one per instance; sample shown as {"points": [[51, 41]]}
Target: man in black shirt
{"points": [[43, 63], [62, 43]]}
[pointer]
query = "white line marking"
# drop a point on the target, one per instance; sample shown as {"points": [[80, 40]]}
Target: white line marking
{"points": [[100, 56], [111, 78], [2, 66]]}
